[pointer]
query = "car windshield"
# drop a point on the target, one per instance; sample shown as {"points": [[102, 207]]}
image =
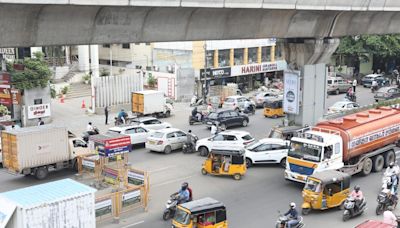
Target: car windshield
{"points": [[368, 77], [275, 134], [312, 185], [253, 145], [247, 137], [113, 131], [157, 134], [182, 217], [213, 115], [383, 90], [338, 105], [306, 151], [229, 100]]}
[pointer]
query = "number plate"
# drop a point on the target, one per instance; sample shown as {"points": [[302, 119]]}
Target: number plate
{"points": [[209, 123], [151, 142], [300, 178]]}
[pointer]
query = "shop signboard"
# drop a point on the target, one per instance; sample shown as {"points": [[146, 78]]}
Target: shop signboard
{"points": [[38, 111], [135, 177], [258, 68], [132, 197], [291, 92], [103, 207], [8, 53], [216, 72]]}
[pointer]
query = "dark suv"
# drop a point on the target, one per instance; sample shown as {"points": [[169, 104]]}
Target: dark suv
{"points": [[227, 118]]}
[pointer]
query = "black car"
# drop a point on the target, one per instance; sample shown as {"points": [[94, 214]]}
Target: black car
{"points": [[227, 118]]}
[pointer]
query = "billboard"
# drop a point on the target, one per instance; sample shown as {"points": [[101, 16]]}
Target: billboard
{"points": [[291, 94]]}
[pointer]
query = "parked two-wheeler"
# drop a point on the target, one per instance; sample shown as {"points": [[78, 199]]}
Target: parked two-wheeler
{"points": [[351, 210], [86, 134], [385, 200], [283, 220], [190, 147]]}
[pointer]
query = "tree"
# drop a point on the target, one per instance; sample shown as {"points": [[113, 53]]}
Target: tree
{"points": [[35, 74]]}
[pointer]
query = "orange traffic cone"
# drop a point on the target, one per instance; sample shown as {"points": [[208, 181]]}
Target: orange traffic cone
{"points": [[83, 104], [62, 99]]}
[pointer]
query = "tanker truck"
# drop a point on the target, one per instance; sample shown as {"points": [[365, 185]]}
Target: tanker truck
{"points": [[358, 143]]}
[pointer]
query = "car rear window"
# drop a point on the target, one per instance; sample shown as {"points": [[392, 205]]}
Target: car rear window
{"points": [[247, 137], [329, 82], [113, 131], [157, 135], [213, 115], [229, 100]]}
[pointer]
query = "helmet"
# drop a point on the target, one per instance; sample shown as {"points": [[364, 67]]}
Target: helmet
{"points": [[185, 185], [90, 123], [391, 164], [190, 131], [357, 188], [292, 205]]}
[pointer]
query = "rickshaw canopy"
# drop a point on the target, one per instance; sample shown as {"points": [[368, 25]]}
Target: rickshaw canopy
{"points": [[332, 176], [203, 205], [240, 152]]}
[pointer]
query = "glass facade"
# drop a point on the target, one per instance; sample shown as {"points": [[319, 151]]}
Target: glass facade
{"points": [[223, 58], [253, 55], [210, 58], [238, 56], [266, 54]]}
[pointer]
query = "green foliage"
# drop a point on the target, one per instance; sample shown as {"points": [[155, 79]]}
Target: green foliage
{"points": [[86, 77], [36, 73], [104, 72], [64, 90], [3, 110], [151, 80], [53, 92]]}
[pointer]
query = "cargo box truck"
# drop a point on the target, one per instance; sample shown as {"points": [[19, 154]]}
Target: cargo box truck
{"points": [[357, 143], [150, 102], [40, 149]]}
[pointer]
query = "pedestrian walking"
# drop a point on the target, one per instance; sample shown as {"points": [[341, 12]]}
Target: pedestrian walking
{"points": [[354, 85], [395, 75], [40, 122], [214, 129], [106, 114]]}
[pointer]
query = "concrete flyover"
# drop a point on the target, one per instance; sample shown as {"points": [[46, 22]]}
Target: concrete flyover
{"points": [[68, 22]]}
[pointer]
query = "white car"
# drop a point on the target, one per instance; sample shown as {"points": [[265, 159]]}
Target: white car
{"points": [[166, 140], [137, 133], [342, 106], [236, 103], [224, 140], [150, 123], [266, 151]]}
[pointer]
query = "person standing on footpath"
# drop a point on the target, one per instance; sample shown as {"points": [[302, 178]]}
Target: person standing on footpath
{"points": [[354, 85], [40, 122], [106, 113]]}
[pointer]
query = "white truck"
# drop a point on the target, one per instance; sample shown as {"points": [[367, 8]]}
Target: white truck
{"points": [[40, 149], [150, 102]]}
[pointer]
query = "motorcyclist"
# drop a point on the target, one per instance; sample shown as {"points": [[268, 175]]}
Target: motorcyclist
{"points": [[357, 195], [292, 215], [191, 139], [392, 169], [247, 106], [374, 85], [389, 218], [190, 190], [183, 194], [122, 116], [350, 94], [89, 127], [214, 129], [196, 114]]}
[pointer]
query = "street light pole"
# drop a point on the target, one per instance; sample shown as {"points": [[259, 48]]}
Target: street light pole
{"points": [[204, 84]]}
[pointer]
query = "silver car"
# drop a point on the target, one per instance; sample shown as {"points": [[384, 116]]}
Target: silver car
{"points": [[337, 85]]}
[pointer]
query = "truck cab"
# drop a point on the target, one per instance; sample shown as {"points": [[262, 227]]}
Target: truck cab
{"points": [[78, 147], [312, 151]]}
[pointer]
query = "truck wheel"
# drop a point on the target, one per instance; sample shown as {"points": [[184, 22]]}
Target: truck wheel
{"points": [[337, 92], [390, 156], [378, 163], [41, 173], [367, 167]]}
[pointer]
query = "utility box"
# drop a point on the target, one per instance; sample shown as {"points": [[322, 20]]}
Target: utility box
{"points": [[58, 204]]}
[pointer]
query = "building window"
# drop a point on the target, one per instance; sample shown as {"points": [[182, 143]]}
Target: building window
{"points": [[238, 56], [37, 101], [223, 58], [252, 55], [148, 44], [266, 54], [137, 43], [210, 58], [126, 46], [106, 46], [278, 52]]}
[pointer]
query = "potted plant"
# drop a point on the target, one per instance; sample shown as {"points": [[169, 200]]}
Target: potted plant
{"points": [[86, 78], [151, 81], [3, 110]]}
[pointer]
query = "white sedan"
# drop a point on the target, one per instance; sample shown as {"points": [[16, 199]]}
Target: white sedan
{"points": [[166, 140], [137, 133], [266, 151], [150, 123], [342, 106]]}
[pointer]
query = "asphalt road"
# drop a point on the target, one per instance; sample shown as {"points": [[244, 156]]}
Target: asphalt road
{"points": [[251, 202]]}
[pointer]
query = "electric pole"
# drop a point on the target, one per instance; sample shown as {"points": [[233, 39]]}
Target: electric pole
{"points": [[204, 84]]}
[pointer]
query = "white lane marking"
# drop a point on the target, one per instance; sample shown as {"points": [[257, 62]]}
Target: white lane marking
{"points": [[133, 224], [172, 181], [161, 169]]}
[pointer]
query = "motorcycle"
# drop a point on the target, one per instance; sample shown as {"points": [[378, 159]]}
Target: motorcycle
{"points": [[170, 207], [86, 134], [283, 220], [350, 209], [250, 110], [385, 200], [189, 147], [352, 98], [194, 119]]}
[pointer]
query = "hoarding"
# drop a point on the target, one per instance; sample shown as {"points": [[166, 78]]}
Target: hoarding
{"points": [[291, 99]]}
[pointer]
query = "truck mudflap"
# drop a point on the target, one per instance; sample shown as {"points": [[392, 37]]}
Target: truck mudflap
{"points": [[358, 167]]}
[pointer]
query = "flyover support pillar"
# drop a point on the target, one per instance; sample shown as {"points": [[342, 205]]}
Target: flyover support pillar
{"points": [[309, 56], [94, 68], [83, 58]]}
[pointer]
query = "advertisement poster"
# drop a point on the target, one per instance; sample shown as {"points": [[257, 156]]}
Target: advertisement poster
{"points": [[103, 207], [129, 198], [135, 177], [291, 92], [38, 111]]}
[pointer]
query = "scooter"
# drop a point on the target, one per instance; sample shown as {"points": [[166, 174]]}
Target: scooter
{"points": [[352, 98], [385, 200], [350, 209], [188, 147], [86, 134], [283, 220], [170, 207], [250, 110], [194, 119]]}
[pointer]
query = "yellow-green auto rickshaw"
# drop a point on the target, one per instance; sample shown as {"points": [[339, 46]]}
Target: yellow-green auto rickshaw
{"points": [[202, 213], [273, 108], [225, 163], [324, 190]]}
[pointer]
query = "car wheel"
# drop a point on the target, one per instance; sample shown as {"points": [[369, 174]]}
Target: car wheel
{"points": [[283, 163], [167, 149], [337, 92], [203, 151], [245, 123], [249, 163]]}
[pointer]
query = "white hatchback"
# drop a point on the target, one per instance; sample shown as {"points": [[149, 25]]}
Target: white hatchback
{"points": [[236, 103], [166, 140], [224, 140], [342, 106], [266, 151], [137, 133]]}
